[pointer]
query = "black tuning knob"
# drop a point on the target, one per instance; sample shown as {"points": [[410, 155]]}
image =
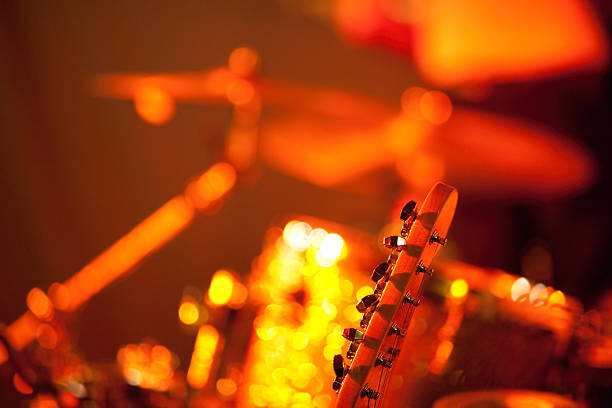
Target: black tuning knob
{"points": [[380, 271], [408, 210], [367, 303], [353, 335], [339, 365], [337, 383]]}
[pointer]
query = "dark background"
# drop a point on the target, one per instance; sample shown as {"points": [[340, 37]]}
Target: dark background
{"points": [[78, 172]]}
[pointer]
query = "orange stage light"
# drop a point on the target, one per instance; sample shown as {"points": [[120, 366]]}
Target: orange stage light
{"points": [[206, 346], [153, 104], [471, 41], [121, 257]]}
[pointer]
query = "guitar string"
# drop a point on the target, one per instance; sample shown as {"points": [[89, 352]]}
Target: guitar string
{"points": [[408, 317]]}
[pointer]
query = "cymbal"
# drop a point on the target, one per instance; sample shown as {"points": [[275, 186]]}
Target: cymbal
{"points": [[476, 151], [504, 399], [219, 86]]}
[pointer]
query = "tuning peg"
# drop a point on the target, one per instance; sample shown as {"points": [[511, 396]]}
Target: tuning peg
{"points": [[367, 303], [435, 238], [353, 335], [394, 242], [408, 210], [339, 365], [352, 349], [396, 330], [369, 393], [365, 320], [421, 268], [337, 383], [414, 302], [380, 271], [392, 259]]}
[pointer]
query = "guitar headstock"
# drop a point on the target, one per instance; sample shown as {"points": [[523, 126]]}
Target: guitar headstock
{"points": [[387, 313]]}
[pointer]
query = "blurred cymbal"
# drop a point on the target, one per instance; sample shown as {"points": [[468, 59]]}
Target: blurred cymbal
{"points": [[478, 152], [222, 86], [504, 398]]}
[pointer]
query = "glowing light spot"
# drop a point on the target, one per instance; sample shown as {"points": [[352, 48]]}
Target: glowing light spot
{"points": [[557, 298], [297, 235], [153, 104], [46, 336], [188, 313], [323, 261], [60, 296], [411, 99], [202, 357], [44, 401], [211, 186], [226, 387], [520, 290], [435, 107], [317, 236], [21, 386], [322, 401], [221, 287], [239, 296], [132, 376], [459, 288], [538, 295], [39, 304], [351, 314], [243, 61], [526, 401], [240, 92], [300, 341], [331, 246], [329, 309], [502, 285], [364, 291]]}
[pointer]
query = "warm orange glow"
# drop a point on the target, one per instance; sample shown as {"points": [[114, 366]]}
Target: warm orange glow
{"points": [[520, 290], [146, 365], [188, 312], [21, 385], [47, 336], [60, 296], [243, 61], [435, 107], [421, 170], [44, 401], [211, 186], [39, 304], [459, 288], [206, 345], [153, 104], [226, 387], [527, 401], [240, 92], [221, 287], [294, 341], [443, 352], [557, 298], [148, 236], [357, 18], [474, 41], [538, 296], [239, 296]]}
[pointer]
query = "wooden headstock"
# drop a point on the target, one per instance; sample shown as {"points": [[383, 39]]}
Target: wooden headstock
{"points": [[387, 313]]}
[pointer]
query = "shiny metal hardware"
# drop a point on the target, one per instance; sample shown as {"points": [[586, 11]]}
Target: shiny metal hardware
{"points": [[414, 302], [369, 392], [395, 242], [337, 383], [367, 303], [383, 361], [408, 210], [379, 288], [365, 320], [421, 268], [353, 335], [380, 271], [396, 330], [435, 238], [352, 350]]}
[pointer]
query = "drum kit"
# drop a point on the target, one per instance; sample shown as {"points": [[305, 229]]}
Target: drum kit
{"points": [[480, 337]]}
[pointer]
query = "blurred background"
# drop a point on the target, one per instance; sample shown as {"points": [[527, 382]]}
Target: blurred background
{"points": [[509, 101]]}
